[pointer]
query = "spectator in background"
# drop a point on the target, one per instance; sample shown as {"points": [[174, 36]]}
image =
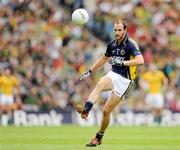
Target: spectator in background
{"points": [[154, 83], [8, 83]]}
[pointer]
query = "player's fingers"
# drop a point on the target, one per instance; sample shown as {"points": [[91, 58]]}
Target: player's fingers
{"points": [[110, 62]]}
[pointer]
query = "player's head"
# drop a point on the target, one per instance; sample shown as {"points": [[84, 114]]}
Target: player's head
{"points": [[152, 67], [7, 71], [120, 29]]}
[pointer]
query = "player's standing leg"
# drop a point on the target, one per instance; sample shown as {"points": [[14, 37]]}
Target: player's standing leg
{"points": [[108, 107]]}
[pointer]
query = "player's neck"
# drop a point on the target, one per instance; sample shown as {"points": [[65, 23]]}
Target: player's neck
{"points": [[121, 39]]}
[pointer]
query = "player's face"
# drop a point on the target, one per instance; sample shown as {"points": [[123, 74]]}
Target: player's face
{"points": [[152, 67], [7, 71], [119, 31]]}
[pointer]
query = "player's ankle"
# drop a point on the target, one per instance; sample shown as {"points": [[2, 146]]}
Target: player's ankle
{"points": [[99, 135]]}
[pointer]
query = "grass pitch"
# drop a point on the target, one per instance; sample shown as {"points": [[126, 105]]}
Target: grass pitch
{"points": [[70, 137]]}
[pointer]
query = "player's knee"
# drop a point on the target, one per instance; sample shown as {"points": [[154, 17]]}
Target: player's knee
{"points": [[106, 111]]}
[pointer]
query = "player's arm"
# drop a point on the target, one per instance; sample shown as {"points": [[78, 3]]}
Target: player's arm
{"points": [[165, 82], [138, 60], [143, 82], [135, 51], [15, 84], [98, 64]]}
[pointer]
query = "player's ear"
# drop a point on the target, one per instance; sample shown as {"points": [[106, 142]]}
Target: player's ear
{"points": [[124, 25]]}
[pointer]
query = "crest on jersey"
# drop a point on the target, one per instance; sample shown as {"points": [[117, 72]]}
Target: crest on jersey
{"points": [[122, 52]]}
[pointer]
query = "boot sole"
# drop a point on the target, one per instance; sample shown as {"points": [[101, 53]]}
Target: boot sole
{"points": [[87, 145]]}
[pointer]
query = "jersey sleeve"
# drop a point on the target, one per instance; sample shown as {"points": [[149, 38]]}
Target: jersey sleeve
{"points": [[108, 51], [134, 48]]}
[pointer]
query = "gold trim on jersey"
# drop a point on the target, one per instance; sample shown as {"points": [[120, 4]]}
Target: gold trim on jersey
{"points": [[134, 43], [132, 70]]}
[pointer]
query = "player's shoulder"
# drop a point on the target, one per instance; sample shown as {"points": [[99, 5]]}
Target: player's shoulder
{"points": [[132, 43], [146, 74], [112, 43], [160, 72]]}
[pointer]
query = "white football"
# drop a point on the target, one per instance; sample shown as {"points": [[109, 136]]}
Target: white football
{"points": [[80, 16]]}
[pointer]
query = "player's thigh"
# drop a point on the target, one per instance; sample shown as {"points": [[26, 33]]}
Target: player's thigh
{"points": [[105, 83], [111, 103]]}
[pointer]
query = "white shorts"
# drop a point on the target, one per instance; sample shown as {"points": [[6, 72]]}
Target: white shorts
{"points": [[121, 86], [6, 99], [154, 100]]}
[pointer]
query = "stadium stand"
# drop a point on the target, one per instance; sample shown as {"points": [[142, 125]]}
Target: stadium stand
{"points": [[47, 52]]}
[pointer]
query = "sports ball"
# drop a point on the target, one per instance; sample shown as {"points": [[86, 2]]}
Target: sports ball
{"points": [[80, 16]]}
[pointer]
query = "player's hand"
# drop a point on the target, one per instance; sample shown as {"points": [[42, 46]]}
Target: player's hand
{"points": [[85, 75], [115, 61]]}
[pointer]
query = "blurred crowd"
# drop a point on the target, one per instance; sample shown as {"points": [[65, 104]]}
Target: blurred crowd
{"points": [[46, 52]]}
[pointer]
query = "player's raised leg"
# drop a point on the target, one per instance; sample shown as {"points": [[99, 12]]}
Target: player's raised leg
{"points": [[105, 83], [108, 107]]}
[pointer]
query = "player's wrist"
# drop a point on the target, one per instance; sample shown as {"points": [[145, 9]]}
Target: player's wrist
{"points": [[121, 63], [85, 74], [125, 63]]}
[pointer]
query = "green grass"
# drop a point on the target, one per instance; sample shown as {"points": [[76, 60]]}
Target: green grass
{"points": [[68, 137]]}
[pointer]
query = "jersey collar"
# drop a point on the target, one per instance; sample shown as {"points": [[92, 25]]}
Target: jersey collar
{"points": [[124, 40]]}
